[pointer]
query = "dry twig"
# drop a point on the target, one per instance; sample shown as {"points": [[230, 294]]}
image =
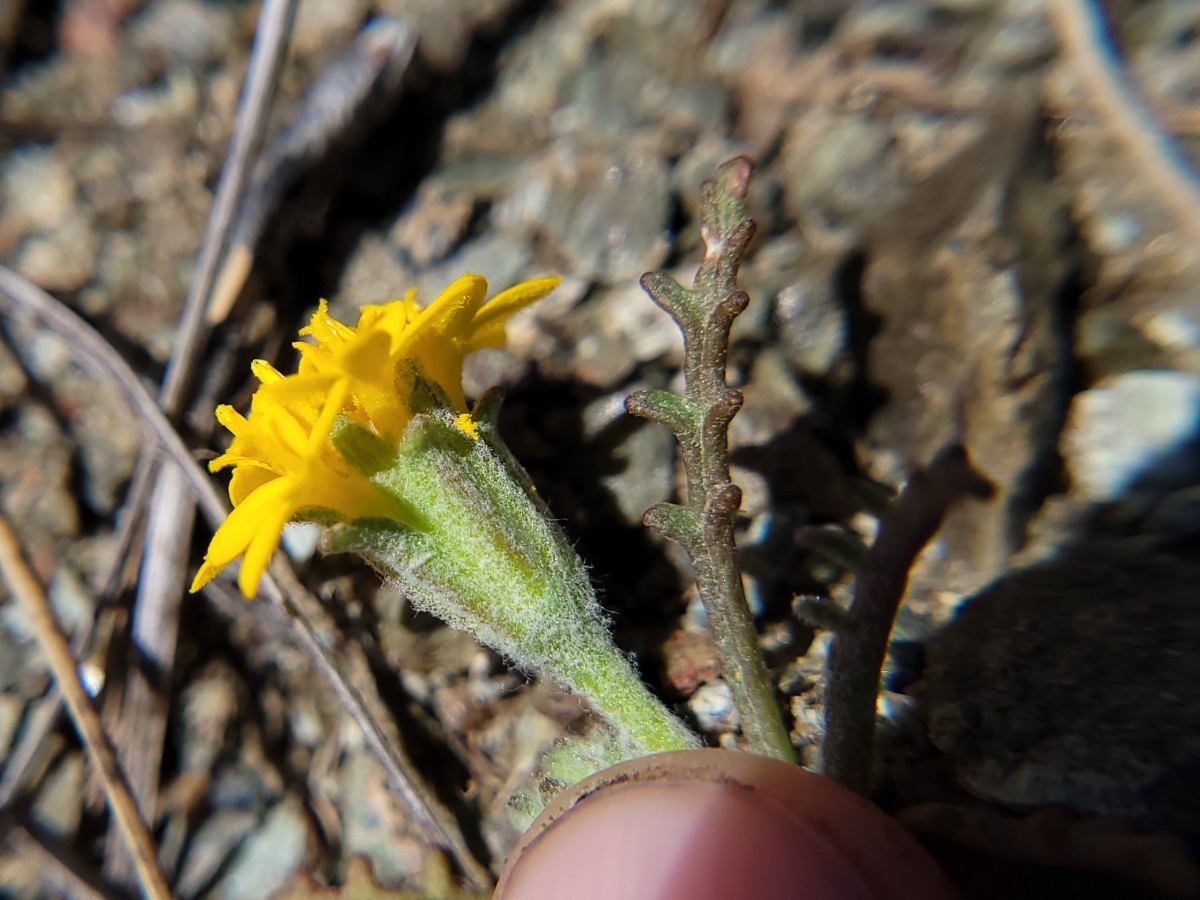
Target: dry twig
{"points": [[142, 719], [60, 868], [41, 719], [1081, 30], [347, 98], [136, 836]]}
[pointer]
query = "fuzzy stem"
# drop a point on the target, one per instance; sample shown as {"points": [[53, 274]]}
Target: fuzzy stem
{"points": [[486, 559]]}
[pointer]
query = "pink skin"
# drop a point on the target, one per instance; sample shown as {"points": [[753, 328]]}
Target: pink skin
{"points": [[714, 825]]}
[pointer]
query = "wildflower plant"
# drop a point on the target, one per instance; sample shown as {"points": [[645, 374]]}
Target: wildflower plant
{"points": [[372, 437]]}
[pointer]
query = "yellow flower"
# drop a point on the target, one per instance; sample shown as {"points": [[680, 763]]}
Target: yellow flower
{"points": [[281, 454]]}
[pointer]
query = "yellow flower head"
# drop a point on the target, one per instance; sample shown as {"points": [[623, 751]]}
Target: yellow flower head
{"points": [[281, 454]]}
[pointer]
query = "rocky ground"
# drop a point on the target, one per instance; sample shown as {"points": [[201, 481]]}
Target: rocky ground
{"points": [[962, 234]]}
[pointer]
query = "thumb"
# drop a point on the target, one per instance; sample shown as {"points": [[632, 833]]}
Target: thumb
{"points": [[709, 824]]}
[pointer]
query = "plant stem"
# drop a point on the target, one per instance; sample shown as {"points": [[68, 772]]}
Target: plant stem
{"points": [[700, 420], [859, 644]]}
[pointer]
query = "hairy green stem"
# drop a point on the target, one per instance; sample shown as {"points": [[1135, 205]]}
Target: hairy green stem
{"points": [[479, 552]]}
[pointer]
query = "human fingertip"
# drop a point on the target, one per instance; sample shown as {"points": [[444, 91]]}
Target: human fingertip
{"points": [[711, 824]]}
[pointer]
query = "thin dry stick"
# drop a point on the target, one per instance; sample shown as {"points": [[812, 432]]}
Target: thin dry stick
{"points": [[262, 75], [140, 725], [20, 296], [859, 644], [61, 871], [24, 586], [1081, 30], [270, 42], [17, 295], [351, 91], [36, 726]]}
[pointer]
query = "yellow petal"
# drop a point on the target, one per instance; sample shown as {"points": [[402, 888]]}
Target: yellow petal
{"points": [[246, 479], [325, 328], [265, 372], [242, 525], [516, 298], [230, 418], [449, 315], [262, 547]]}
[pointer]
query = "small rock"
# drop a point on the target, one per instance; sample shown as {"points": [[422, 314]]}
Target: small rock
{"points": [[177, 99], [1116, 233], [73, 603], [300, 540], [39, 190], [835, 166], [928, 143], [491, 367], [625, 91], [109, 444], [689, 660], [35, 471], [647, 463], [607, 214], [63, 259], [373, 824], [502, 258], [119, 267], [635, 327], [11, 710], [1171, 328], [603, 360], [209, 705], [320, 26], [270, 855], [813, 322], [712, 705], [374, 274], [187, 31], [808, 718], [531, 84], [434, 223], [773, 401], [1131, 428], [59, 805], [214, 840]]}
